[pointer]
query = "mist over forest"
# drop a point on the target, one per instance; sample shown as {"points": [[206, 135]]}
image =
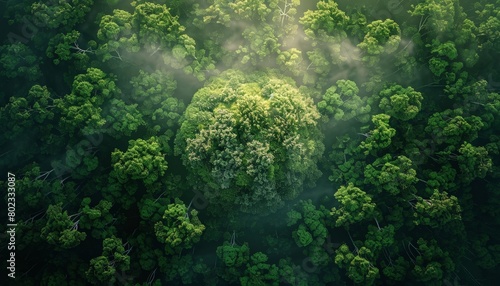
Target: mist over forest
{"points": [[250, 142]]}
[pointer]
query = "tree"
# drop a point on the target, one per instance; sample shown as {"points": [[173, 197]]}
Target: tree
{"points": [[451, 127], [97, 219], [396, 177], [65, 47], [180, 227], [143, 160], [124, 119], [436, 211], [489, 22], [380, 136], [19, 60], [252, 140], [153, 94], [378, 238], [440, 14], [116, 35], [258, 272], [326, 20], [81, 109], [355, 206], [156, 25], [325, 30], [61, 14], [61, 229], [382, 37], [342, 102], [359, 269], [235, 257], [37, 108], [431, 262], [400, 103], [473, 161], [104, 267], [311, 232]]}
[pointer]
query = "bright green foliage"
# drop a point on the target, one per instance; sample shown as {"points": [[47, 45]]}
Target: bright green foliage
{"points": [[400, 103], [81, 109], [432, 262], [64, 14], [244, 138], [18, 60], [394, 176], [380, 136], [114, 258], [474, 162], [436, 211], [342, 102], [443, 55], [324, 28], [223, 12], [180, 227], [355, 206], [115, 33], [440, 13], [61, 230], [451, 127], [156, 25], [260, 273], [290, 60], [437, 66], [326, 21], [143, 160], [445, 50], [382, 37]]}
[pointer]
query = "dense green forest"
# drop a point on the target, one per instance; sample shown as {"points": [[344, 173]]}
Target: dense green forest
{"points": [[250, 142]]}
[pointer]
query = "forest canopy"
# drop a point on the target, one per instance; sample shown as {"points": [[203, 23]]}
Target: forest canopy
{"points": [[250, 142]]}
